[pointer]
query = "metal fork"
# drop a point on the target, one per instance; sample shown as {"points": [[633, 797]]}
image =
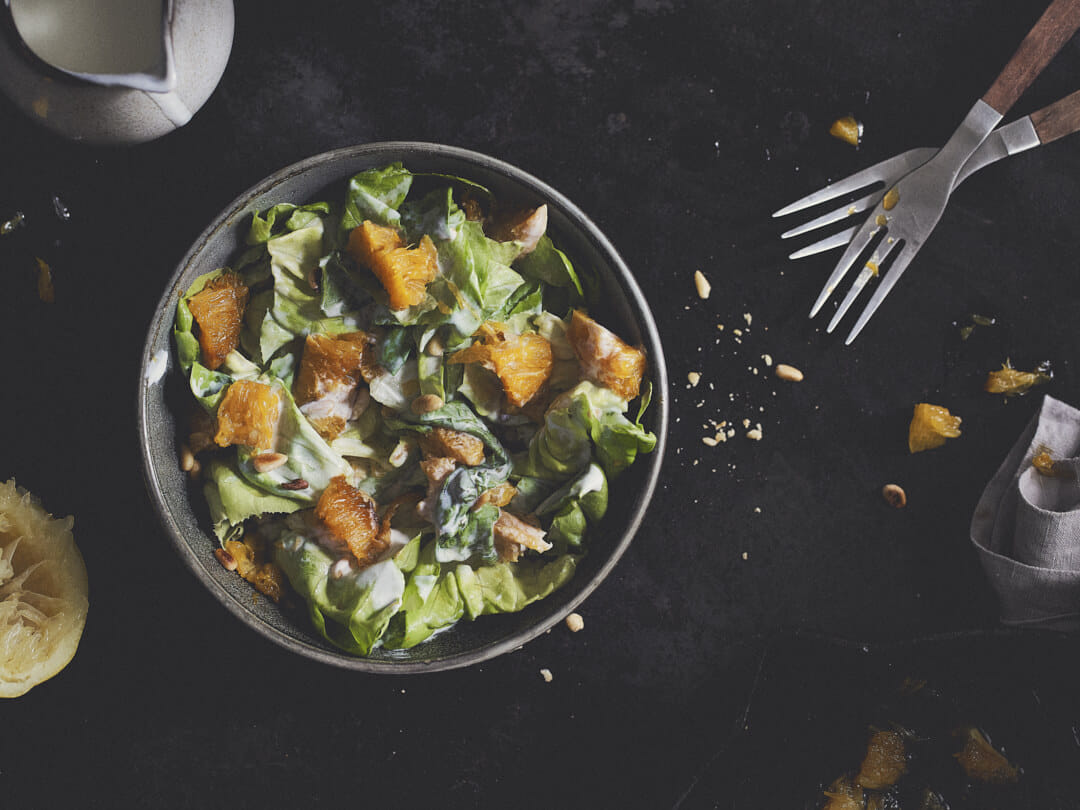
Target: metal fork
{"points": [[1037, 129], [908, 212]]}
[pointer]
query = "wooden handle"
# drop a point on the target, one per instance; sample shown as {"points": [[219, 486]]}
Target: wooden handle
{"points": [[1059, 119], [1054, 28]]}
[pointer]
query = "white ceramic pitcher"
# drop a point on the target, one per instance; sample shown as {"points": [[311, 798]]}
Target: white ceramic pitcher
{"points": [[113, 71]]}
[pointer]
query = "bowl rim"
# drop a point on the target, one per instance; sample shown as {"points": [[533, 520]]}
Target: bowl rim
{"points": [[645, 323]]}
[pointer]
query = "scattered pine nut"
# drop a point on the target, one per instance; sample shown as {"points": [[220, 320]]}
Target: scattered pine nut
{"points": [[788, 373], [187, 459], [426, 404], [545, 673], [575, 622], [702, 284], [694, 378], [895, 495], [265, 462]]}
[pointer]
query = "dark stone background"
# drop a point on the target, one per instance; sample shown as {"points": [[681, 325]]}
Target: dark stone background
{"points": [[678, 127]]}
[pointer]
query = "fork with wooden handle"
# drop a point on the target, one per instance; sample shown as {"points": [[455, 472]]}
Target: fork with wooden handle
{"points": [[1041, 127], [908, 212]]}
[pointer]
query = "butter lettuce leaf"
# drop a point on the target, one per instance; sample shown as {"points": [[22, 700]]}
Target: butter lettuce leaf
{"points": [[350, 610], [581, 423], [375, 195], [232, 500]]}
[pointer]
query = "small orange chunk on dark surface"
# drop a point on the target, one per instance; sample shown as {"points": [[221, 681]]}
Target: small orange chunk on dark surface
{"points": [[930, 426], [885, 761]]}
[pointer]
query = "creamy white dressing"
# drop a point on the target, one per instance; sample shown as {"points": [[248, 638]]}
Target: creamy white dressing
{"points": [[114, 37], [337, 402], [425, 583], [386, 583], [591, 481], [157, 367]]}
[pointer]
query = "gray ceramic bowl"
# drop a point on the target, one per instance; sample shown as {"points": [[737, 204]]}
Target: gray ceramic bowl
{"points": [[621, 306]]}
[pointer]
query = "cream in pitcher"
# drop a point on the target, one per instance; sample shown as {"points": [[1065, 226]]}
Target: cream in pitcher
{"points": [[113, 71]]}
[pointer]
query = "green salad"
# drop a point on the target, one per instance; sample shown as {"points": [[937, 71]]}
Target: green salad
{"points": [[403, 415]]}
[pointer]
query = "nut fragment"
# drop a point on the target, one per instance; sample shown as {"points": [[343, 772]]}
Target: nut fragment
{"points": [[789, 373], [694, 378], [187, 458], [894, 494], [575, 622], [226, 559], [295, 485], [434, 347], [426, 404], [702, 284], [545, 673], [264, 462]]}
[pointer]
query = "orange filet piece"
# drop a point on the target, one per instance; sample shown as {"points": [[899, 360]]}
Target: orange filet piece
{"points": [[404, 272], [218, 309], [523, 363], [248, 415], [605, 359], [351, 515]]}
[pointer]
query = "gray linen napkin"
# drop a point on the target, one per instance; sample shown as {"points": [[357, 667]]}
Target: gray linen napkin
{"points": [[1026, 526]]}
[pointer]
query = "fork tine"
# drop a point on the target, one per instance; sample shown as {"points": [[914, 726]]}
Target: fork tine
{"points": [[904, 258], [855, 247], [869, 270], [884, 172], [837, 214], [828, 243]]}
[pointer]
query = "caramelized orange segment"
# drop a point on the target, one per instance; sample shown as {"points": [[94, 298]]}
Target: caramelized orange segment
{"points": [[248, 415], [350, 514], [885, 761], [930, 426], [329, 363], [463, 448], [218, 309], [981, 761], [605, 359], [844, 794], [523, 363], [253, 564], [404, 272]]}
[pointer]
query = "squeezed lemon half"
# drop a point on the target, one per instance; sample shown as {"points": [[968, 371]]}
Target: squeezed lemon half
{"points": [[43, 592]]}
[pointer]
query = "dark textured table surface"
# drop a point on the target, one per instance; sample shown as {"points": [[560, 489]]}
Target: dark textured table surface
{"points": [[678, 126]]}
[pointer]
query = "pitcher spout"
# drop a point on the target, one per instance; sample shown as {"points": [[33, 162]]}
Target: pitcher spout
{"points": [[113, 43]]}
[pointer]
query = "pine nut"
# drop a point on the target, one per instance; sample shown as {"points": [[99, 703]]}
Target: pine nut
{"points": [[426, 404], [265, 462], [894, 494], [575, 622], [187, 458], [788, 373], [702, 284]]}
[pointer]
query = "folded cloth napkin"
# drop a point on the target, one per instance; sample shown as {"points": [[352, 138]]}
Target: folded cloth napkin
{"points": [[1026, 526]]}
